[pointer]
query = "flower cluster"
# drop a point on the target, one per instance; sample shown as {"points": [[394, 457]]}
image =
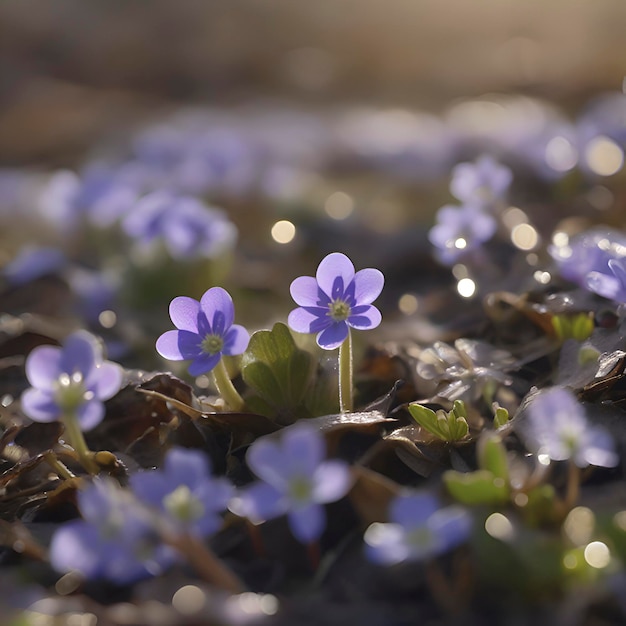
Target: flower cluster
{"points": [[460, 230]]}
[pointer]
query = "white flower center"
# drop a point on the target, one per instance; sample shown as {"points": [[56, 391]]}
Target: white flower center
{"points": [[339, 310], [70, 392], [212, 344], [182, 505]]}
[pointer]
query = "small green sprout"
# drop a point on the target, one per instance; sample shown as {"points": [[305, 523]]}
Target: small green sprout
{"points": [[500, 415], [448, 426], [579, 326]]}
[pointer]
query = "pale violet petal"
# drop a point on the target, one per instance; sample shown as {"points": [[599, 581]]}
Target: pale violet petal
{"points": [[331, 481], [80, 353], [267, 460], [218, 300], [43, 367], [39, 405], [332, 267], [258, 503], [366, 320], [186, 467], [184, 313], [90, 414], [368, 285], [333, 336], [307, 523], [306, 321], [236, 340], [303, 448], [178, 345], [106, 380], [414, 510], [305, 291], [606, 286]]}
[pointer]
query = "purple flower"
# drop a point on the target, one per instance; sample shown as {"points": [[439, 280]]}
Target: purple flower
{"points": [[32, 263], [71, 380], [188, 228], [558, 428], [185, 491], [483, 183], [205, 331], [116, 539], [418, 529], [296, 481], [611, 284], [337, 298], [589, 251], [460, 230]]}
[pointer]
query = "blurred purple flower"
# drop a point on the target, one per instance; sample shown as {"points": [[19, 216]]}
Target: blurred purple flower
{"points": [[296, 481], [185, 491], [32, 263], [460, 230], [558, 428], [610, 285], [418, 529], [483, 183], [188, 228], [337, 298], [101, 194], [70, 380], [589, 251], [116, 540], [205, 331]]}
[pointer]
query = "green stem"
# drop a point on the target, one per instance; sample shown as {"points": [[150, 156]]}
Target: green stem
{"points": [[346, 392], [573, 485], [75, 438], [226, 388]]}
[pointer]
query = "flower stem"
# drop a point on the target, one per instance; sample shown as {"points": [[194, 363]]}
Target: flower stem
{"points": [[226, 388], [346, 393], [573, 485], [77, 441]]}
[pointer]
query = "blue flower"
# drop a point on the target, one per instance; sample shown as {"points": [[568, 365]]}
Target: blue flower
{"points": [[590, 252], [483, 183], [612, 284], [205, 331], [188, 228], [116, 540], [418, 529], [185, 491], [336, 299], [296, 481], [70, 380], [460, 230], [34, 262], [558, 428]]}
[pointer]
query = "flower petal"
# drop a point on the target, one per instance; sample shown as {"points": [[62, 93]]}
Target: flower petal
{"points": [[236, 340], [80, 353], [185, 467], [266, 459], [218, 300], [333, 336], [258, 503], [204, 364], [43, 367], [106, 380], [178, 345], [75, 546], [304, 449], [184, 313], [331, 481], [413, 511], [386, 544], [40, 405], [365, 320], [307, 523], [368, 284], [332, 267], [305, 291], [604, 285], [90, 414], [309, 320]]}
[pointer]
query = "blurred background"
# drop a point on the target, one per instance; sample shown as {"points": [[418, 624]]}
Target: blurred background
{"points": [[299, 128]]}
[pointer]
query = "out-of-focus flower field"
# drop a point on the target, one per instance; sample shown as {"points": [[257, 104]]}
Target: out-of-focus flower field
{"points": [[312, 313]]}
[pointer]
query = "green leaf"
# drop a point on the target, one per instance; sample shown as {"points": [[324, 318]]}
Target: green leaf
{"points": [[281, 376], [500, 416], [492, 455], [479, 487], [429, 420]]}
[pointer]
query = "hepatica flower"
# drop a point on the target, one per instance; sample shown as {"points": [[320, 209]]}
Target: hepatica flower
{"points": [[483, 183], [559, 429], [205, 332], [335, 300], [418, 529], [185, 491], [71, 380], [611, 284], [188, 228], [296, 480], [116, 539], [460, 230]]}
